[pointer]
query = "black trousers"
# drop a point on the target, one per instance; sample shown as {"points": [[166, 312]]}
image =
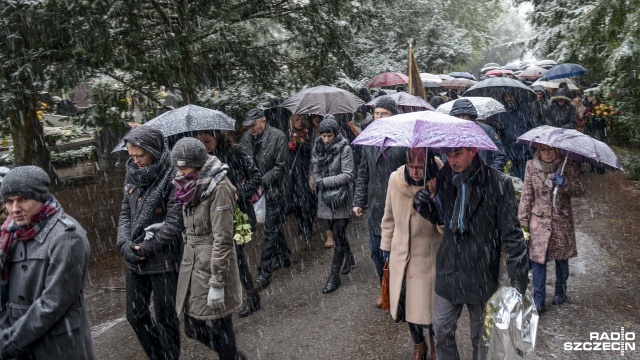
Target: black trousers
{"points": [[219, 336], [243, 267], [159, 337], [274, 247], [417, 333], [339, 228]]}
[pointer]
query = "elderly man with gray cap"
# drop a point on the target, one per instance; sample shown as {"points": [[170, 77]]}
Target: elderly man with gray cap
{"points": [[43, 268], [268, 147], [150, 240]]}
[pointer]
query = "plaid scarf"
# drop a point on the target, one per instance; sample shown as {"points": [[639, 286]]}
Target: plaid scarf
{"points": [[185, 187], [12, 231]]}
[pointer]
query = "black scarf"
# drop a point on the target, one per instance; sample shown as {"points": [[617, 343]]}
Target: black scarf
{"points": [[409, 180], [156, 180], [463, 182], [323, 153]]}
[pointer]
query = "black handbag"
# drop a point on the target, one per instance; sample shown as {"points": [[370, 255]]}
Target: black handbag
{"points": [[336, 196]]}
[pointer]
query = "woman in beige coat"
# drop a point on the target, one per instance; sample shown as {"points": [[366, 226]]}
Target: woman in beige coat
{"points": [[209, 287], [409, 243]]}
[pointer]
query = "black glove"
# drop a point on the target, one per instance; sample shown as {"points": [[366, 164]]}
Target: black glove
{"points": [[520, 286], [320, 185], [129, 254], [424, 205]]}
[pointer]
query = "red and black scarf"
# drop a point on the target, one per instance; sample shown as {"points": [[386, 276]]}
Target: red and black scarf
{"points": [[12, 231]]}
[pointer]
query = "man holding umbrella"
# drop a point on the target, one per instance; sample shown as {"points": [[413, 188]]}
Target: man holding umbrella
{"points": [[268, 147], [479, 211]]}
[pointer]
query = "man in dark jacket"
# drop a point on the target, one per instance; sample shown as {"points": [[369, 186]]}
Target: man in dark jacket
{"points": [[539, 105], [375, 167], [560, 112], [516, 121], [43, 263], [268, 147], [150, 240], [464, 109], [479, 213]]}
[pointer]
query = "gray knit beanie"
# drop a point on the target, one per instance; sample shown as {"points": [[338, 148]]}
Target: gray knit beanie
{"points": [[387, 103], [329, 125], [189, 152], [29, 182]]}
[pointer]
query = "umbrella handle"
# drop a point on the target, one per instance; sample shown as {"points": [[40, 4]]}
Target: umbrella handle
{"points": [[555, 190]]}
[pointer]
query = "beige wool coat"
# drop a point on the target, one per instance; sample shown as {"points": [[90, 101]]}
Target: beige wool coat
{"points": [[209, 257], [412, 242]]}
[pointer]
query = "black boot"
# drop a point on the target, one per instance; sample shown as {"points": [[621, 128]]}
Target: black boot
{"points": [[333, 283], [349, 262], [252, 305]]}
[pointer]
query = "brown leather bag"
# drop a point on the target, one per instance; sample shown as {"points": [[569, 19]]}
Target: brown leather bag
{"points": [[385, 287]]}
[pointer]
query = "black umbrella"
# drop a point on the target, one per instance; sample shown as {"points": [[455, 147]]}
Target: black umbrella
{"points": [[497, 87], [462, 74], [430, 84], [187, 119], [323, 100]]}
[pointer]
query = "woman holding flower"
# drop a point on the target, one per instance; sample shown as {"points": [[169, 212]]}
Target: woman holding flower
{"points": [[551, 228], [208, 284], [245, 177]]}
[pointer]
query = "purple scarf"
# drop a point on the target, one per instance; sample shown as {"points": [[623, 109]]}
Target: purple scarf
{"points": [[185, 187]]}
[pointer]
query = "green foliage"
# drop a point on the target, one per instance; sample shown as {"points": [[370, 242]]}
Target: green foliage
{"points": [[604, 36], [63, 158], [110, 109]]}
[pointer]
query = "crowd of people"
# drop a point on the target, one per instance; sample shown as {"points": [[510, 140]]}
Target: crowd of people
{"points": [[438, 219]]}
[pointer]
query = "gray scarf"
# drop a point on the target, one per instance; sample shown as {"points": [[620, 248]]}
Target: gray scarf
{"points": [[323, 153], [463, 182], [156, 180]]}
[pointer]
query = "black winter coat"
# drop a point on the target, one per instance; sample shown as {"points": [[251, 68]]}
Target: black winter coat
{"points": [[510, 125], [565, 116], [299, 164], [495, 159], [467, 265], [163, 252], [271, 155], [373, 180], [245, 176]]}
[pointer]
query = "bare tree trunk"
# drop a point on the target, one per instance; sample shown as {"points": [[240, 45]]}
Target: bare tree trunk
{"points": [[28, 137]]}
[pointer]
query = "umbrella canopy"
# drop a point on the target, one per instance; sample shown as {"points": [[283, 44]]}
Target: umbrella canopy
{"points": [[430, 84], [498, 86], [322, 100], [191, 118], [499, 72], [430, 77], [547, 63], [485, 106], [456, 83], [564, 71], [512, 67], [462, 74], [491, 65], [188, 118], [532, 72], [388, 79], [574, 144], [425, 129], [485, 69], [445, 77], [555, 84], [404, 99]]}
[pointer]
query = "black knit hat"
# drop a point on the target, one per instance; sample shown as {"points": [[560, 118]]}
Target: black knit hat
{"points": [[387, 103], [189, 153], [29, 182], [329, 125]]}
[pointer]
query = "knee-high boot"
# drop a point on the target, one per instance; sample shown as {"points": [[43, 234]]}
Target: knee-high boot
{"points": [[333, 282]]}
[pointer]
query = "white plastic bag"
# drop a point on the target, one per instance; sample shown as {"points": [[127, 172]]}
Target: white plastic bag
{"points": [[260, 210]]}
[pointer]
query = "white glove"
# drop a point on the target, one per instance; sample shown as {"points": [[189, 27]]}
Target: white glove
{"points": [[215, 299], [151, 230]]}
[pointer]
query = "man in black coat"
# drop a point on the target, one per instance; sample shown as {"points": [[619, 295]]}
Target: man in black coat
{"points": [[464, 109], [478, 209], [150, 240], [376, 165], [560, 112], [268, 147], [539, 105]]}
